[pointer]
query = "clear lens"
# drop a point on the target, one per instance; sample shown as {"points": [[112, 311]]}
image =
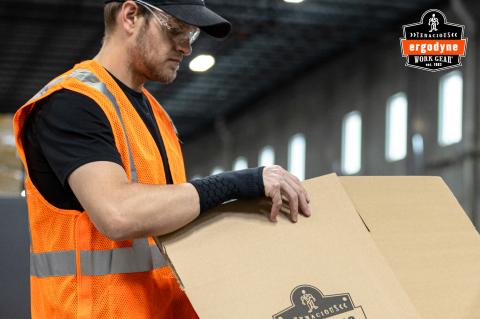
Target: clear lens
{"points": [[178, 30]]}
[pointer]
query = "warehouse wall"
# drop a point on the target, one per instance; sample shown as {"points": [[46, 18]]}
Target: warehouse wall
{"points": [[15, 262], [11, 173], [361, 79]]}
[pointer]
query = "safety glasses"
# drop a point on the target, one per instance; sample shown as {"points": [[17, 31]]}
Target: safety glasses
{"points": [[177, 30]]}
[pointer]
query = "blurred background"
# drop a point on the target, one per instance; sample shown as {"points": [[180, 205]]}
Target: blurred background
{"points": [[316, 86]]}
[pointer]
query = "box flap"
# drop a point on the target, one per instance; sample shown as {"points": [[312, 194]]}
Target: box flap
{"points": [[235, 263], [427, 239]]}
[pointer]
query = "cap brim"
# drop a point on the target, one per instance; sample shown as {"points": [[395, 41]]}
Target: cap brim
{"points": [[200, 16]]}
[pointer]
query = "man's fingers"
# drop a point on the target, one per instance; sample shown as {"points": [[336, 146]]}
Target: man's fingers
{"points": [[276, 205], [295, 181], [292, 196], [279, 182], [302, 194], [304, 207]]}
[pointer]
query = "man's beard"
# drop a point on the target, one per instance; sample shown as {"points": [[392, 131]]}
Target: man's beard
{"points": [[143, 62]]}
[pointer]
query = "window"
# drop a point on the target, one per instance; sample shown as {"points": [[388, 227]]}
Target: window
{"points": [[217, 170], [240, 163], [296, 156], [267, 156], [352, 143], [396, 134], [450, 108], [417, 144]]}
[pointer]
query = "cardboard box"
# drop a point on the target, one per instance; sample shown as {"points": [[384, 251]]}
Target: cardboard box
{"points": [[411, 253], [428, 240]]}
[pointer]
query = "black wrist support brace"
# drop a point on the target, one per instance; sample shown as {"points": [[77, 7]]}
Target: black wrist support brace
{"points": [[217, 189]]}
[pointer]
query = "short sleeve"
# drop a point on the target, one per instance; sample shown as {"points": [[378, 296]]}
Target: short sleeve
{"points": [[72, 130]]}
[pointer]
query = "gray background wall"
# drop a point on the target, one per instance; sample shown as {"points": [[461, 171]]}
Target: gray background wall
{"points": [[15, 261]]}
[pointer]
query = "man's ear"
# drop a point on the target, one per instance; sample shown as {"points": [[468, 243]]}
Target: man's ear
{"points": [[128, 17]]}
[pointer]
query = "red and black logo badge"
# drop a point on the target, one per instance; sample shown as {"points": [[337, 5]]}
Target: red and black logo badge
{"points": [[433, 44]]}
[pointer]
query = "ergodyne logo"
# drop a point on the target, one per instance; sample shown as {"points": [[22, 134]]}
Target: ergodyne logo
{"points": [[309, 303], [433, 44]]}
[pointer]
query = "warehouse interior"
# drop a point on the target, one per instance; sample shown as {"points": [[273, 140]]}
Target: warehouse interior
{"points": [[315, 86]]}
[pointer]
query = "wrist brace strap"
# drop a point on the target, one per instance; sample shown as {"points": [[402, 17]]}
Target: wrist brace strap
{"points": [[217, 189]]}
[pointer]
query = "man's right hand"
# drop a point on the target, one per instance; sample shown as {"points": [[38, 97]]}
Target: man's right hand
{"points": [[280, 183]]}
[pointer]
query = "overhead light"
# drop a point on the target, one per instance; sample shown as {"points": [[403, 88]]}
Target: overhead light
{"points": [[202, 63], [293, 1]]}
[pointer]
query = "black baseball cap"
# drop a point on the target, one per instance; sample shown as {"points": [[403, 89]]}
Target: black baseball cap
{"points": [[193, 12]]}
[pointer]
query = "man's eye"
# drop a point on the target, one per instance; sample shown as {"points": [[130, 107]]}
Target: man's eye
{"points": [[176, 31]]}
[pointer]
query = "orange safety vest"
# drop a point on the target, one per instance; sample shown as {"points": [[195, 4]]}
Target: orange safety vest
{"points": [[77, 272]]}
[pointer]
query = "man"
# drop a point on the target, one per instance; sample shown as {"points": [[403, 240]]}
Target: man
{"points": [[433, 22], [105, 171]]}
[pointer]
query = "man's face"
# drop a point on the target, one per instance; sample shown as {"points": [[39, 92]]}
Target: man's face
{"points": [[157, 52]]}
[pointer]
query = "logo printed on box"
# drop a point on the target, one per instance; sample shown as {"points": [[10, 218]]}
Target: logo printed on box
{"points": [[433, 44], [309, 302]]}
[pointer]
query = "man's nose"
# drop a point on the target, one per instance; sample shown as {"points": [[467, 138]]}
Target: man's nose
{"points": [[184, 47]]}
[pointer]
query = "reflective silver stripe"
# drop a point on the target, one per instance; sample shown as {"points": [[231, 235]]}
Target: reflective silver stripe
{"points": [[139, 258], [97, 262], [91, 80], [48, 86], [59, 263]]}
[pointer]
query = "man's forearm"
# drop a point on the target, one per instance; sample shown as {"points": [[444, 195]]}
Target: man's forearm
{"points": [[150, 210], [122, 210]]}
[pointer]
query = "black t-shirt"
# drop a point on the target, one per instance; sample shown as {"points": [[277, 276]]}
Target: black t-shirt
{"points": [[67, 130]]}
